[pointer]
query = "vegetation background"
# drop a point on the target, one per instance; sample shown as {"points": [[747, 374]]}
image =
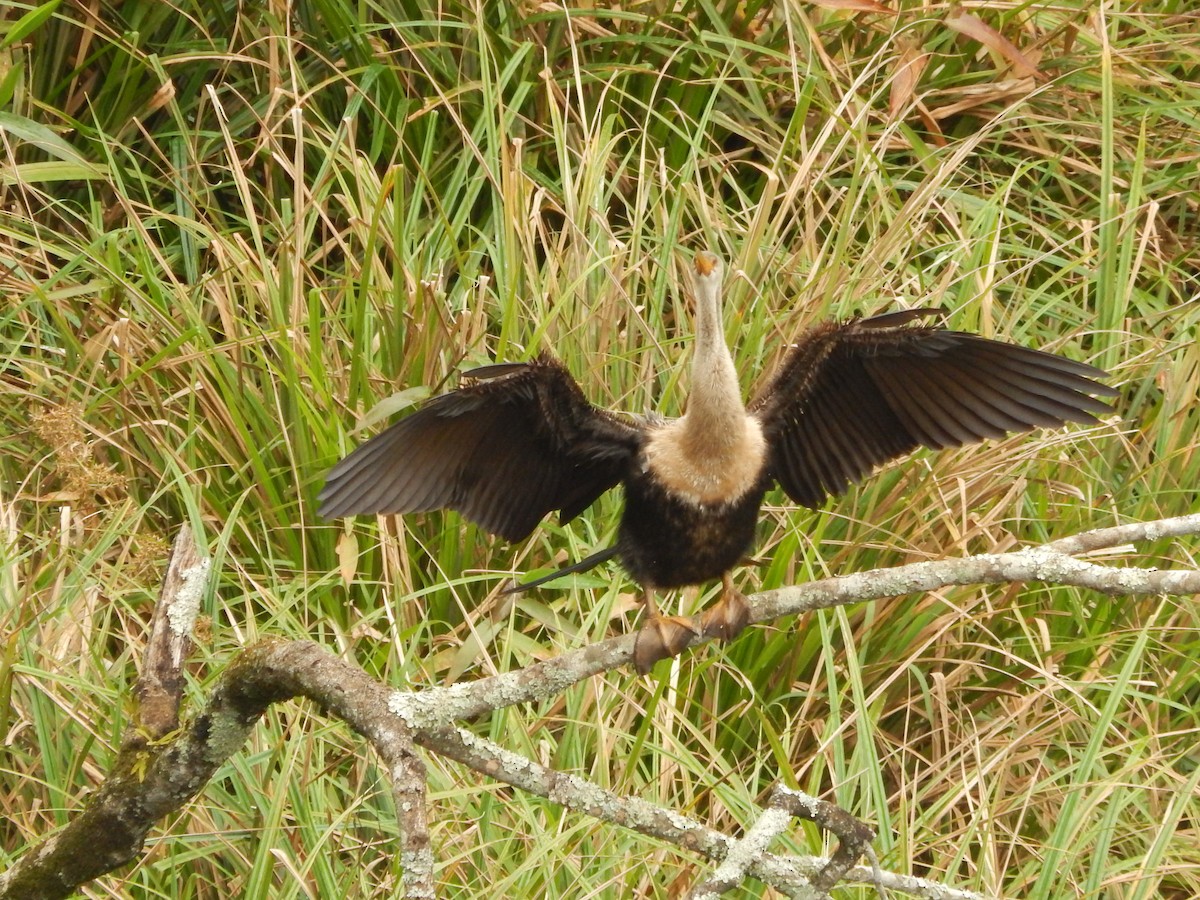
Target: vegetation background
{"points": [[228, 229]]}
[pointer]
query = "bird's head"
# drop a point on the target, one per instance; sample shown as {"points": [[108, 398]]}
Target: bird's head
{"points": [[708, 265], [706, 280]]}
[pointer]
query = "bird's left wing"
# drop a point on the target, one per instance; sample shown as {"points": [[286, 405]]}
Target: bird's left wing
{"points": [[851, 396], [517, 441]]}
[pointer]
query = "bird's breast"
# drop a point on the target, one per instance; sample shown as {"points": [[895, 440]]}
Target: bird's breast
{"points": [[706, 466]]}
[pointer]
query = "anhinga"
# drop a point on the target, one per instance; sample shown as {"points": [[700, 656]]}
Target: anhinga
{"points": [[518, 440]]}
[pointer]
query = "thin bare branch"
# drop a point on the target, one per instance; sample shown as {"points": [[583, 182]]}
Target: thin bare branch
{"points": [[1130, 533], [736, 866], [792, 875], [854, 835], [1038, 564], [408, 789], [1049, 563]]}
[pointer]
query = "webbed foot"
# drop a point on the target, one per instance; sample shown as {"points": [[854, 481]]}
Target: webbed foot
{"points": [[661, 638], [729, 616]]}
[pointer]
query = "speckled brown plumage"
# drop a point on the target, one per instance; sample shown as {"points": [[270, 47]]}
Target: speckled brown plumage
{"points": [[519, 440]]}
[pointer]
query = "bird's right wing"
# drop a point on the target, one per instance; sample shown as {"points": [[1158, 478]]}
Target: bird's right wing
{"points": [[851, 396], [517, 441]]}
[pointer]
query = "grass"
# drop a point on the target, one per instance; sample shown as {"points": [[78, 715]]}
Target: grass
{"points": [[225, 237]]}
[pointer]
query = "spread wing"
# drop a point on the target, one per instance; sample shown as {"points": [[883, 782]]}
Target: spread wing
{"points": [[516, 442], [850, 396]]}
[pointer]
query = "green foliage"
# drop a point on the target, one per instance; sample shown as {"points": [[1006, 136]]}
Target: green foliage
{"points": [[225, 236]]}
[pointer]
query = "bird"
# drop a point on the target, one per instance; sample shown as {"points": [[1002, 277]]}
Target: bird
{"points": [[518, 440]]}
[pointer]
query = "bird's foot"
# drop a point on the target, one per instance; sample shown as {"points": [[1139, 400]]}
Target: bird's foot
{"points": [[661, 638], [728, 617]]}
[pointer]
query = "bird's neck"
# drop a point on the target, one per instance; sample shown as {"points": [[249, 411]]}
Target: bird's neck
{"points": [[714, 453], [716, 416]]}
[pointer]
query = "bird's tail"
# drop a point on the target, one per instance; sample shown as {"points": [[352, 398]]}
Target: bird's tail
{"points": [[588, 562]]}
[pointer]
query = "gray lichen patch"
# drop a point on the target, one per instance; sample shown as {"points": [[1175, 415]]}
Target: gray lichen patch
{"points": [[182, 613]]}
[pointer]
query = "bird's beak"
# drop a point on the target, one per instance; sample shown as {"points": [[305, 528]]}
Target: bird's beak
{"points": [[705, 262]]}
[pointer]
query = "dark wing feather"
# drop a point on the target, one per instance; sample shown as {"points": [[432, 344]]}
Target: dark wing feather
{"points": [[852, 396], [516, 442]]}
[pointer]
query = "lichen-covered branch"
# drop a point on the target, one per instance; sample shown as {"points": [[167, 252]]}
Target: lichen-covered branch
{"points": [[854, 836], [159, 689], [408, 789], [751, 847], [152, 777], [160, 765], [854, 840], [792, 875], [1049, 563], [132, 801], [1130, 533], [150, 784]]}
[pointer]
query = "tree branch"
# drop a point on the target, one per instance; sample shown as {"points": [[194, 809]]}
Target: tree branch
{"points": [[154, 774], [790, 874], [1046, 563], [159, 690]]}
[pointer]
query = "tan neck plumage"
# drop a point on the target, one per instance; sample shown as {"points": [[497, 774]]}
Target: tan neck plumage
{"points": [[715, 417], [715, 452]]}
